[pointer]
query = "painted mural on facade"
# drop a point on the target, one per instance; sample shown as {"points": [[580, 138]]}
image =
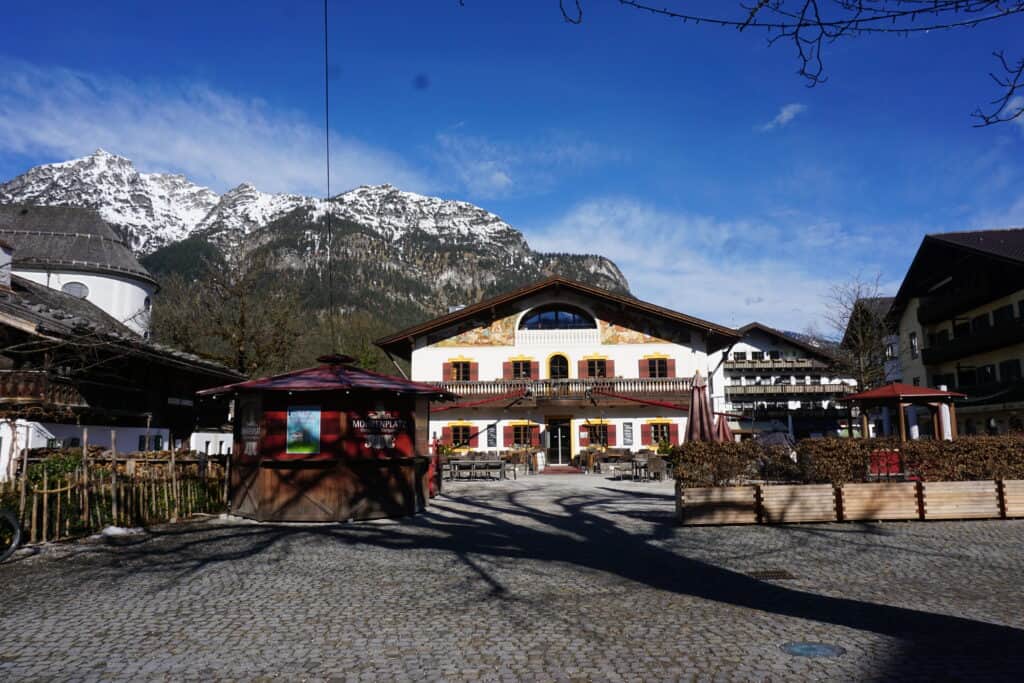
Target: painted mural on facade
{"points": [[501, 332]]}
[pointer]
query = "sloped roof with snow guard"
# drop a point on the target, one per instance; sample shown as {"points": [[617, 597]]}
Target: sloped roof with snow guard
{"points": [[67, 238]]}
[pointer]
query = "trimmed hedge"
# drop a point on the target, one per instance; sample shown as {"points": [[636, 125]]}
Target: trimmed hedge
{"points": [[838, 461]]}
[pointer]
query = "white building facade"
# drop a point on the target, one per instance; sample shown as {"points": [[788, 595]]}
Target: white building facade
{"points": [[776, 382], [561, 366]]}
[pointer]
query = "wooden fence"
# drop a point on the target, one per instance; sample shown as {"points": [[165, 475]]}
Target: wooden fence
{"points": [[124, 493], [910, 500]]}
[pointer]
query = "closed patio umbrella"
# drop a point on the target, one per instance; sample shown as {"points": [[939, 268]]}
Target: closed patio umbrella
{"points": [[722, 431], [700, 425]]}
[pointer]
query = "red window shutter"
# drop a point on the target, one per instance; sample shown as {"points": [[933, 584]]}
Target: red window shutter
{"points": [[474, 437], [584, 435], [645, 435], [474, 372], [534, 435], [534, 370], [609, 368], [507, 436], [611, 435], [446, 436], [446, 372], [671, 367], [506, 370], [645, 368], [673, 434], [582, 366]]}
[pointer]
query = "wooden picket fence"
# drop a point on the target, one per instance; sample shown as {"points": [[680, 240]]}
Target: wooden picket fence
{"points": [[88, 500]]}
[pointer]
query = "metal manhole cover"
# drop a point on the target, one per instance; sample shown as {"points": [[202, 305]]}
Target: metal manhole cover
{"points": [[812, 649], [772, 575]]}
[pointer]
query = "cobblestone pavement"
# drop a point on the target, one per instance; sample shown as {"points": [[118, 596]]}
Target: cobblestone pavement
{"points": [[552, 578]]}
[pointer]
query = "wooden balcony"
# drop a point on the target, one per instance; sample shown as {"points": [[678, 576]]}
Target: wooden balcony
{"points": [[38, 387], [569, 390], [781, 364], [787, 389], [981, 341]]}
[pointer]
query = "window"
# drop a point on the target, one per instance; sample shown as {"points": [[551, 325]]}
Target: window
{"points": [[1009, 370], [158, 442], [142, 442], [597, 367], [917, 381], [1003, 315], [980, 323], [460, 371], [757, 355], [660, 431], [147, 304], [53, 443], [775, 355], [558, 367], [75, 442], [521, 369], [739, 355], [961, 329], [597, 434], [460, 436], [944, 380], [966, 377], [657, 367], [557, 317], [206, 448], [915, 347], [890, 351], [75, 289], [986, 373], [522, 435]]}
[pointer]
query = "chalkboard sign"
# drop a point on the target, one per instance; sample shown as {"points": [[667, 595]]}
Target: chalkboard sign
{"points": [[492, 436], [627, 433]]}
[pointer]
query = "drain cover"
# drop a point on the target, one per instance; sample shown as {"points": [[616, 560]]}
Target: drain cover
{"points": [[812, 650], [772, 575]]}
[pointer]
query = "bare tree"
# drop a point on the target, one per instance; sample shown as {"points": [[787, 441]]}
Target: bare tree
{"points": [[244, 314], [810, 25], [858, 313]]}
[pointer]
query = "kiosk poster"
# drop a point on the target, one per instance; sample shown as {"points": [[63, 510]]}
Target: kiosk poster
{"points": [[303, 429], [379, 429]]}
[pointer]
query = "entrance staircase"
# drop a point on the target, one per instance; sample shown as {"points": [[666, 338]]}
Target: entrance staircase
{"points": [[561, 469]]}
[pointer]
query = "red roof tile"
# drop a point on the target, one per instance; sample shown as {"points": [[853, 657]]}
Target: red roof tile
{"points": [[897, 392]]}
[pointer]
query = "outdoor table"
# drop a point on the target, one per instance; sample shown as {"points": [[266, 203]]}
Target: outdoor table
{"points": [[474, 465], [639, 468]]}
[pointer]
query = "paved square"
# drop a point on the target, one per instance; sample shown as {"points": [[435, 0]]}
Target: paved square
{"points": [[546, 578]]}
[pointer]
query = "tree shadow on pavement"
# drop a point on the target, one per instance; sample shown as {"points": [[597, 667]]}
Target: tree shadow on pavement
{"points": [[580, 528]]}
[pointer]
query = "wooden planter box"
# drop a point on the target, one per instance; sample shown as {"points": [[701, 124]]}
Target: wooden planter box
{"points": [[880, 501], [1013, 497], [722, 505], [798, 503], [961, 500]]}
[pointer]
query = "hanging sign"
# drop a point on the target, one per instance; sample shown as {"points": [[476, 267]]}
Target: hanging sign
{"points": [[303, 429], [627, 433], [492, 436]]}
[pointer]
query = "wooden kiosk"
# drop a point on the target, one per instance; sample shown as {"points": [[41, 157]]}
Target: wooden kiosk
{"points": [[329, 444]]}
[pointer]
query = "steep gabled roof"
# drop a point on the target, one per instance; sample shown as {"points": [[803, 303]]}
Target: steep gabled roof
{"points": [[1004, 248], [400, 342], [789, 339], [66, 238]]}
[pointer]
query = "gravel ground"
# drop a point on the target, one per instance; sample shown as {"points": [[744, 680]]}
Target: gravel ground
{"points": [[568, 578]]}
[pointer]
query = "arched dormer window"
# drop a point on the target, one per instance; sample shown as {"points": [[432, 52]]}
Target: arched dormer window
{"points": [[557, 317]]}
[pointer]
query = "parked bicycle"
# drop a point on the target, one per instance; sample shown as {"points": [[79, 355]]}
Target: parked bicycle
{"points": [[10, 534]]}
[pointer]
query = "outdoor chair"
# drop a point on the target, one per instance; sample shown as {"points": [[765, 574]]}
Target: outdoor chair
{"points": [[657, 468]]}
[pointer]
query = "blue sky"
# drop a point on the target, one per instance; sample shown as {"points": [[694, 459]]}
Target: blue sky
{"points": [[632, 136]]}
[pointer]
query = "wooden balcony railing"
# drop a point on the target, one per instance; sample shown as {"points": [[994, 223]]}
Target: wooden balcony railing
{"points": [[786, 389], [542, 389], [981, 341], [28, 387], [774, 364]]}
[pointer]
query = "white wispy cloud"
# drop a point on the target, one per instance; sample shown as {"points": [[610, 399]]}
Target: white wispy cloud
{"points": [[785, 115], [487, 168], [214, 137], [730, 272]]}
